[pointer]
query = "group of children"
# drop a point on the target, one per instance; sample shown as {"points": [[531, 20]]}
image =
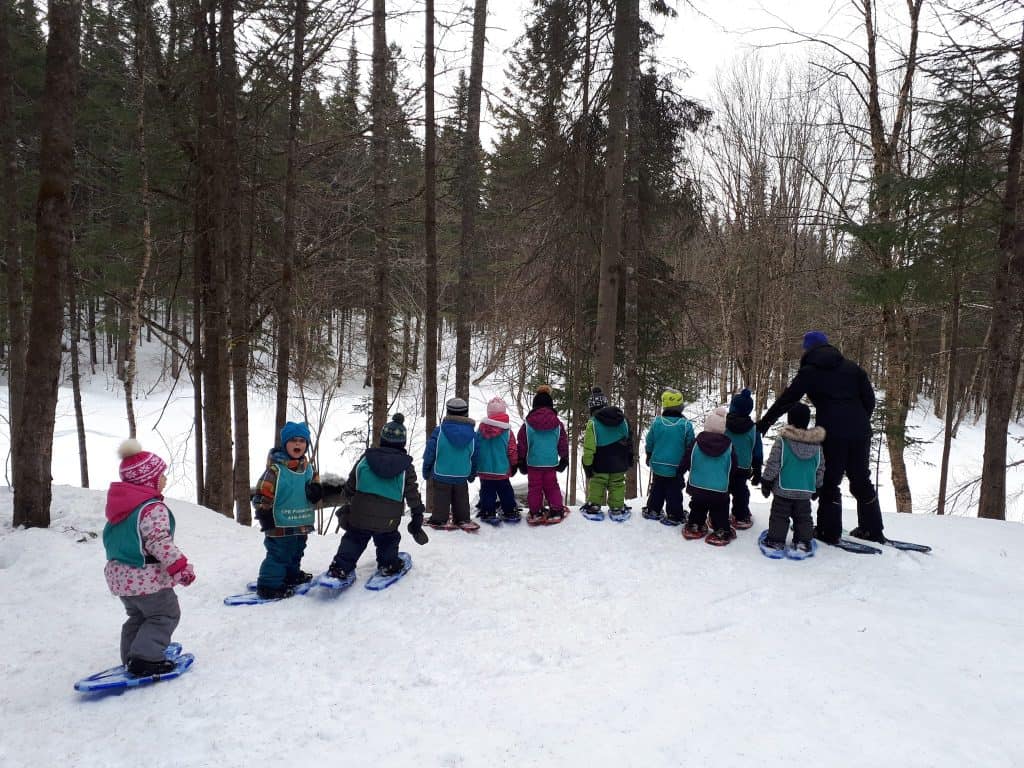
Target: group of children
{"points": [[144, 566]]}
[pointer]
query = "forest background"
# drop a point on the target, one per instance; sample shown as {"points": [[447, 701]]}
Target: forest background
{"points": [[194, 171]]}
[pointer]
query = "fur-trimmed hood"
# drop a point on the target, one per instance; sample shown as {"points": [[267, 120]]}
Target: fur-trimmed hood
{"points": [[803, 441]]}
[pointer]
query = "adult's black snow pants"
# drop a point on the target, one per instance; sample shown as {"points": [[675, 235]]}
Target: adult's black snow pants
{"points": [[851, 458]]}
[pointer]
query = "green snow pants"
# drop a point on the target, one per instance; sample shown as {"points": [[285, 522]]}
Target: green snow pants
{"points": [[611, 483]]}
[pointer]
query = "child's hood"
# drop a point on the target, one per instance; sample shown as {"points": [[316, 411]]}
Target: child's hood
{"points": [[490, 431], [279, 455], [713, 443], [737, 424], [543, 418], [388, 462], [610, 415], [460, 430], [803, 442], [123, 497]]}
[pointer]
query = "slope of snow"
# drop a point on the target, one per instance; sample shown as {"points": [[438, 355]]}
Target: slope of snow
{"points": [[584, 644]]}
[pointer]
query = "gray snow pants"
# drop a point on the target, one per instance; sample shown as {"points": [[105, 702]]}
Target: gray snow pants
{"points": [[782, 510], [151, 622], [444, 497]]}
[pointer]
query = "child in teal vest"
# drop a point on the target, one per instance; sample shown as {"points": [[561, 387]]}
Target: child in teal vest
{"points": [[746, 441], [543, 448], [497, 459], [669, 438], [143, 563], [449, 465], [710, 463], [284, 503], [607, 455], [793, 474], [379, 487]]}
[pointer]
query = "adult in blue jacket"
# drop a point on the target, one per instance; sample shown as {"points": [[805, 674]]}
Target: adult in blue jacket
{"points": [[843, 399]]}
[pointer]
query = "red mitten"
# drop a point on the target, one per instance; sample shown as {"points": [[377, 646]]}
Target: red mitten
{"points": [[181, 572]]}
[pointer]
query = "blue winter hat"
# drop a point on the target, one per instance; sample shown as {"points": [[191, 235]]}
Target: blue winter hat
{"points": [[742, 403], [814, 339], [393, 433], [293, 429]]}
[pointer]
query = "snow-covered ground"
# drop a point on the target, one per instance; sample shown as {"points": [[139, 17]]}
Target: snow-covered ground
{"points": [[584, 644]]}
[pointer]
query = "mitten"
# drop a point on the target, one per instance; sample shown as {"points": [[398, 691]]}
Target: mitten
{"points": [[763, 427], [588, 470], [471, 478], [265, 518], [522, 467], [814, 496], [415, 527], [766, 488], [512, 470], [563, 463], [755, 479], [314, 492], [181, 572]]}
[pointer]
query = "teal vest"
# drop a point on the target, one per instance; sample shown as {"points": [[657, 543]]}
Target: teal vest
{"points": [[606, 435], [542, 447], [452, 462], [368, 481], [743, 444], [123, 542], [669, 444], [492, 454], [291, 507], [798, 474], [710, 472]]}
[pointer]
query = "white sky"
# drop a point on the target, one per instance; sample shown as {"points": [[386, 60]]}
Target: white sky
{"points": [[705, 37]]}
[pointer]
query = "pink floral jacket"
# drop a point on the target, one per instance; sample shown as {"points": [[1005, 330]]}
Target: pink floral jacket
{"points": [[155, 527]]}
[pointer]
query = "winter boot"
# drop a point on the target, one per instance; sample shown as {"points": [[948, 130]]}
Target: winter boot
{"points": [[392, 568], [721, 537], [274, 593], [144, 668], [293, 580], [336, 572], [651, 514], [828, 538], [868, 535], [742, 523], [694, 531]]}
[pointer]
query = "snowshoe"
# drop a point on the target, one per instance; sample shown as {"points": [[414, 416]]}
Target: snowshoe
{"points": [[620, 515], [514, 516], [742, 523], [776, 550], [720, 537], [469, 526], [693, 531], [651, 514], [592, 512]]}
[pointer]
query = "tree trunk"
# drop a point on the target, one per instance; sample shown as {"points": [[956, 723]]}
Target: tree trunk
{"points": [[76, 380], [611, 229], [135, 306], [634, 244], [11, 240], [470, 183], [430, 231], [284, 319], [382, 305], [32, 490], [1004, 355], [950, 395], [231, 186]]}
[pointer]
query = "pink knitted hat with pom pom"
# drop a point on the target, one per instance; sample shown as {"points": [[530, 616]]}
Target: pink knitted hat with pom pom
{"points": [[139, 467]]}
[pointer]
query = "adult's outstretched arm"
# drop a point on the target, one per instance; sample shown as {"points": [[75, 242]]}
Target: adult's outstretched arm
{"points": [[796, 389]]}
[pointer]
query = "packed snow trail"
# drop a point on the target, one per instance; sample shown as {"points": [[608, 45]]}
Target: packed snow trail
{"points": [[577, 644]]}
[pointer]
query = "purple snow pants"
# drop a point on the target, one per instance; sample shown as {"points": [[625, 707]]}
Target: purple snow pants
{"points": [[543, 484]]}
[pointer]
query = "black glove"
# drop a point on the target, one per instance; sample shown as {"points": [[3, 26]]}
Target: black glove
{"points": [[647, 459], [588, 470], [755, 479], [471, 478], [763, 427], [314, 492], [766, 489], [265, 518], [563, 464], [415, 527], [522, 467], [512, 470], [814, 496]]}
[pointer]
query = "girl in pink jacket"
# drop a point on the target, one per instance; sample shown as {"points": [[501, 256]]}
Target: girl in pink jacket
{"points": [[143, 565]]}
